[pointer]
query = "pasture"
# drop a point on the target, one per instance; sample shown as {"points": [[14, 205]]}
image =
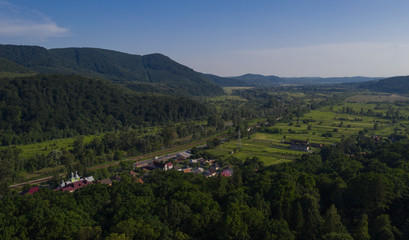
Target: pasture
{"points": [[46, 147], [326, 125]]}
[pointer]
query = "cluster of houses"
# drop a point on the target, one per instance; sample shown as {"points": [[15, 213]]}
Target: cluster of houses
{"points": [[207, 168], [71, 185]]}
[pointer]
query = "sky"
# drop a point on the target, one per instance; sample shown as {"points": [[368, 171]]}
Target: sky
{"points": [[286, 38]]}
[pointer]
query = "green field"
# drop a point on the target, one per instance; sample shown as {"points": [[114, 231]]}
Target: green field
{"points": [[229, 90], [46, 147], [366, 98], [327, 125], [262, 145]]}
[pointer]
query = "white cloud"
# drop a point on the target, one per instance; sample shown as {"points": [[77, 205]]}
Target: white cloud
{"points": [[19, 22], [340, 59]]}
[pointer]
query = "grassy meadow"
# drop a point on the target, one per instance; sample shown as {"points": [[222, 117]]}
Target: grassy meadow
{"points": [[326, 125], [46, 147]]}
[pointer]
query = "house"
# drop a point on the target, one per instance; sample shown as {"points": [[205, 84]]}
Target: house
{"points": [[216, 166], [212, 170], [201, 160], [193, 161], [167, 166], [197, 170], [106, 181], [30, 191], [183, 155], [89, 179], [298, 147], [133, 174], [210, 173], [74, 186], [73, 180], [186, 169], [226, 173]]}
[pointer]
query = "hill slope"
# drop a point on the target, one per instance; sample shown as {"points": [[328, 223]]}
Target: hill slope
{"points": [[11, 67], [227, 81], [260, 80], [155, 72], [392, 85], [43, 107]]}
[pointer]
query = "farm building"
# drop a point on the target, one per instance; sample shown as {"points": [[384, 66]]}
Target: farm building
{"points": [[298, 147]]}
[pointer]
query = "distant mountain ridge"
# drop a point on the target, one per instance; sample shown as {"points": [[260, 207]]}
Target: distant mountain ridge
{"points": [[260, 80], [399, 84], [257, 80], [327, 80], [154, 72], [147, 73]]}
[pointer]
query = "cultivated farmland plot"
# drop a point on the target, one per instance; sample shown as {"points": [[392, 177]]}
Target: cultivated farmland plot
{"points": [[326, 125]]}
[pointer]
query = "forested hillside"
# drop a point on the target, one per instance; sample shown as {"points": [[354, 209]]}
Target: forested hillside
{"points": [[11, 67], [43, 107], [391, 85], [153, 73]]}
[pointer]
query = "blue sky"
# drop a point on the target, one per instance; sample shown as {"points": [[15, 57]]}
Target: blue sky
{"points": [[228, 38]]}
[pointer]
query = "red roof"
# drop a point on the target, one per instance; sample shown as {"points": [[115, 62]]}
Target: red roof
{"points": [[169, 164], [74, 186], [31, 190], [226, 173]]}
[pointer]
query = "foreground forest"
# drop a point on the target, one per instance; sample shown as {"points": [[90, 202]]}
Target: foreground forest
{"points": [[354, 190]]}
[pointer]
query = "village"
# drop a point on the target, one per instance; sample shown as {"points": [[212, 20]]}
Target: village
{"points": [[182, 162]]}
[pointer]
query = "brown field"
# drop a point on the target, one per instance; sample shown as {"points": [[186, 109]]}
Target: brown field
{"points": [[361, 98]]}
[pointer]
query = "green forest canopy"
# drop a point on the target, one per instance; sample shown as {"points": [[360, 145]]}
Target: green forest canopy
{"points": [[42, 107]]}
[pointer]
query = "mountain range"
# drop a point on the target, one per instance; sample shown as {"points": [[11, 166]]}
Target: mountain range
{"points": [[153, 72], [148, 73], [257, 80]]}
